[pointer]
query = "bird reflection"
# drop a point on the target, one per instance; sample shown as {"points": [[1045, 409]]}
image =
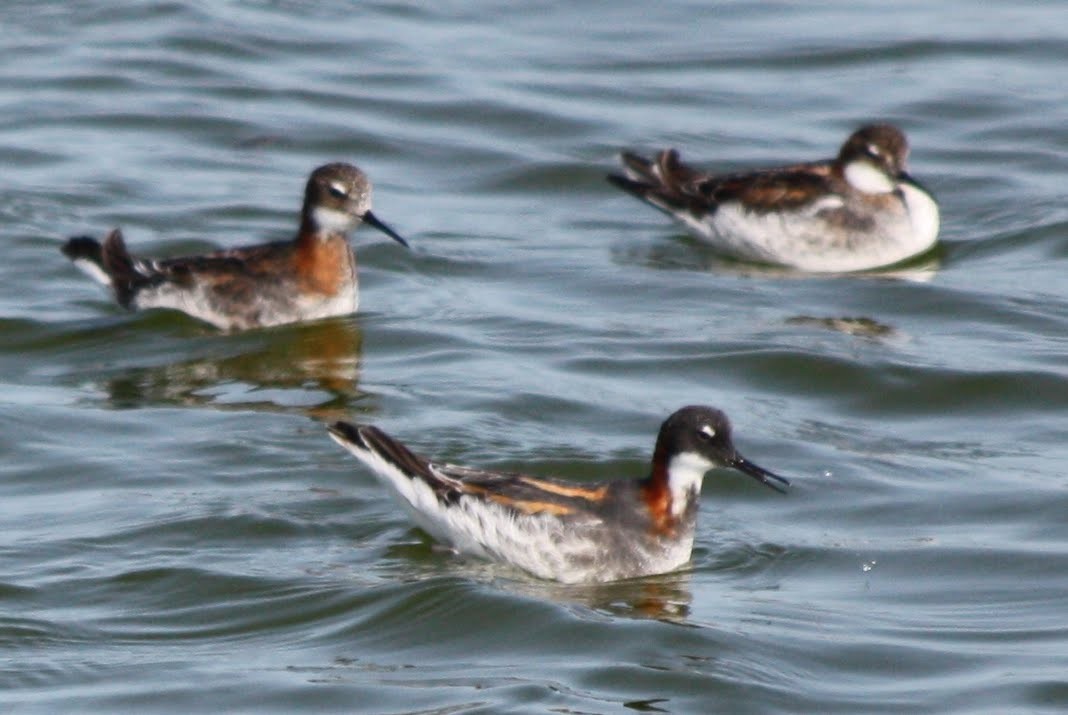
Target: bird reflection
{"points": [[688, 255], [663, 597], [857, 326], [309, 368]]}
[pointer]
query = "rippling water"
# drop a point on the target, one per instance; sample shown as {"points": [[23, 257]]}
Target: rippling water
{"points": [[179, 534]]}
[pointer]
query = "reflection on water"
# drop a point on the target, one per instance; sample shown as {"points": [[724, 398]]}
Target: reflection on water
{"points": [[665, 597], [689, 254], [857, 326], [311, 368], [198, 553]]}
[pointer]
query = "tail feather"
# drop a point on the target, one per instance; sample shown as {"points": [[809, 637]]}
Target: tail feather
{"points": [[638, 177], [638, 168], [637, 189], [675, 175], [108, 263], [371, 439], [663, 182], [82, 248], [416, 482], [86, 254], [118, 264], [367, 441]]}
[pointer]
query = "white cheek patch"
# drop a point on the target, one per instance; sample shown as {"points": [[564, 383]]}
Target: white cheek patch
{"points": [[864, 177]]}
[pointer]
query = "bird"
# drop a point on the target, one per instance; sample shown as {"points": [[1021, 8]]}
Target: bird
{"points": [[308, 277], [858, 211], [561, 530]]}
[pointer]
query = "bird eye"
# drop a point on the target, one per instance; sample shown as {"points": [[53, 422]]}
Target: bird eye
{"points": [[708, 432], [336, 191]]}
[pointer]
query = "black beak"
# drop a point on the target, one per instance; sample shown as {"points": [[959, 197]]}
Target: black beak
{"points": [[905, 177], [372, 220], [760, 474]]}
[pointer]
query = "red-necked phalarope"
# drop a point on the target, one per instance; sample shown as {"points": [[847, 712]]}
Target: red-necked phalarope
{"points": [[858, 211], [561, 530], [309, 277]]}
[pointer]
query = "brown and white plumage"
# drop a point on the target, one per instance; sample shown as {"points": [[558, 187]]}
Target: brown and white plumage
{"points": [[556, 529], [858, 211], [310, 276]]}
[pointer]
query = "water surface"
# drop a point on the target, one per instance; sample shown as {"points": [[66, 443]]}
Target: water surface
{"points": [[180, 534]]}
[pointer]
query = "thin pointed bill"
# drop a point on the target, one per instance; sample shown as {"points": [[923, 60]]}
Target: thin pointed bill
{"points": [[371, 220], [906, 178], [760, 474]]}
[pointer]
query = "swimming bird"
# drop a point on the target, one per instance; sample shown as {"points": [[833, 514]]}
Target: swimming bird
{"points": [[308, 277], [858, 211], [555, 529]]}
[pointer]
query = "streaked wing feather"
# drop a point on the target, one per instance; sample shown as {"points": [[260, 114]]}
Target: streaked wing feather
{"points": [[521, 493], [671, 185], [524, 493], [789, 187], [246, 261]]}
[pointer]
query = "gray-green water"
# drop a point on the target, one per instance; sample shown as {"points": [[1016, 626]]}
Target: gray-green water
{"points": [[179, 535]]}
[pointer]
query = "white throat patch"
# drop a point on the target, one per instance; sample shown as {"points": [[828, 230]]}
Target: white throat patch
{"points": [[331, 220], [685, 474], [863, 176]]}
